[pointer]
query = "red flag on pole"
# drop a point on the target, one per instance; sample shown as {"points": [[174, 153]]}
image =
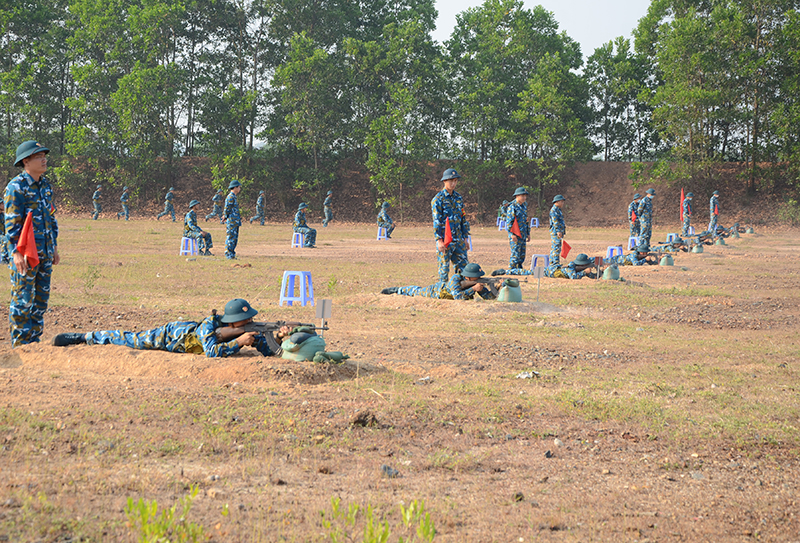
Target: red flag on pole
{"points": [[565, 247], [716, 209], [26, 246], [515, 229], [448, 234], [682, 198]]}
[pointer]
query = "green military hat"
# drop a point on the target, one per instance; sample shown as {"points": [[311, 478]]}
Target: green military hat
{"points": [[582, 259], [666, 260], [520, 191], [637, 195], [651, 191], [558, 198], [472, 270], [193, 203], [261, 192], [124, 189], [643, 248], [386, 204], [330, 192], [99, 187], [233, 184], [715, 193], [690, 195], [302, 205], [28, 148], [238, 310], [450, 173]]}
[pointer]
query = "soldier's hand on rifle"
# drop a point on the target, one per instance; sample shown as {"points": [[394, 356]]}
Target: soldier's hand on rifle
{"points": [[246, 339], [284, 332], [478, 287]]}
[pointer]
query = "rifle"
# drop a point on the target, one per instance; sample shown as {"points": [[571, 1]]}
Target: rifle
{"points": [[667, 247], [490, 284], [266, 329]]}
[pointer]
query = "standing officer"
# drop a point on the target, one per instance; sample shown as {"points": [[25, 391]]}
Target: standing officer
{"points": [[168, 208], [448, 205], [645, 213], [124, 200], [31, 192], [217, 201], [98, 207], [632, 215], [557, 230], [713, 210], [328, 208], [232, 219], [384, 220], [259, 208], [302, 227], [191, 230], [687, 214], [518, 209]]}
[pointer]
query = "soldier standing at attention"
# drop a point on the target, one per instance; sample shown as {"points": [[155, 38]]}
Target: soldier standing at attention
{"points": [[557, 230], [328, 209], [446, 206], [168, 208], [124, 200], [632, 216], [645, 213], [384, 220], [713, 210], [232, 219], [191, 230], [31, 192], [518, 209], [687, 214], [259, 208], [302, 227], [217, 201], [98, 207]]}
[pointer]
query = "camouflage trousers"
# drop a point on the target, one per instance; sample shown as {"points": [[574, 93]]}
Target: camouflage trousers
{"points": [[436, 290], [555, 250], [712, 225], [231, 240], [98, 208], [203, 240], [518, 249], [634, 232], [646, 231], [170, 337], [389, 227], [125, 212], [687, 222], [216, 213], [456, 253], [328, 216], [259, 216], [168, 210], [29, 296], [310, 235]]}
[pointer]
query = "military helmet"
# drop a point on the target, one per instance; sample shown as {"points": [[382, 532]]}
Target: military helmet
{"points": [[521, 191], [697, 248], [99, 187], [715, 193], [450, 173], [636, 196], [558, 198], [193, 203], [643, 248], [651, 191], [302, 205], [219, 190], [233, 184], [386, 204], [124, 189], [171, 189], [472, 270], [690, 194], [261, 192], [238, 310], [505, 202], [582, 259], [28, 148], [330, 192], [611, 273]]}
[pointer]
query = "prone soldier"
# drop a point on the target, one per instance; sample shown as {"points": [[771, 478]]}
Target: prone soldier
{"points": [[461, 286]]}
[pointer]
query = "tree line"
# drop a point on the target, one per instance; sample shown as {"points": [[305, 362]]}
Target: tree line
{"points": [[279, 93]]}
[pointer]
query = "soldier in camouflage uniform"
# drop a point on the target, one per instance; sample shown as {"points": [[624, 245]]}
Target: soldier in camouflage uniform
{"points": [[5, 258], [502, 210], [30, 285], [639, 257], [232, 218], [168, 207], [632, 216], [713, 211], [687, 214], [98, 206], [217, 201], [328, 208], [302, 227], [446, 206], [645, 213], [384, 220], [191, 230], [518, 210], [450, 290], [184, 336], [260, 203], [124, 201], [577, 269], [557, 230]]}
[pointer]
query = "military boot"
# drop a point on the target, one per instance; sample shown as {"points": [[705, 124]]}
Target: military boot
{"points": [[501, 271], [69, 338], [390, 290]]}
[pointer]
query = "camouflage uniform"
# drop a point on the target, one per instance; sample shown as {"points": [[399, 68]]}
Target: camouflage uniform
{"points": [[451, 290], [30, 292], [300, 226], [632, 211], [564, 272], [631, 259], [232, 223], [518, 248], [178, 337], [191, 230], [98, 207], [124, 200], [556, 226], [713, 209], [5, 258], [645, 213], [217, 200], [450, 206], [687, 216], [259, 208], [385, 221], [328, 209], [168, 208]]}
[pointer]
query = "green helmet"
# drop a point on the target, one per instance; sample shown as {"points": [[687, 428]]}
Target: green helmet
{"points": [[238, 310], [611, 273], [666, 260], [450, 173], [28, 148], [472, 270]]}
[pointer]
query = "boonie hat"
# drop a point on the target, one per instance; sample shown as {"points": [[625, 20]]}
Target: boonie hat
{"points": [[171, 189], [472, 270], [520, 191], [233, 184], [238, 310], [651, 191], [386, 204], [193, 203], [637, 195], [715, 193], [28, 148], [330, 192], [302, 205], [261, 192], [643, 248], [99, 186], [582, 259], [450, 173], [558, 198]]}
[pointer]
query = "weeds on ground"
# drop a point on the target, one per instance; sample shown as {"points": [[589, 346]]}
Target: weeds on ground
{"points": [[148, 525], [342, 525]]}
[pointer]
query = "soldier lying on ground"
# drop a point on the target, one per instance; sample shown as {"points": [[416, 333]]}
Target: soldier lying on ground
{"points": [[452, 289], [639, 257], [574, 270]]}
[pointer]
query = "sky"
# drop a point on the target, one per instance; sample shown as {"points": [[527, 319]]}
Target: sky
{"points": [[589, 22]]}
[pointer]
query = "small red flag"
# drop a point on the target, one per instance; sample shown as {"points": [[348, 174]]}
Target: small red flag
{"points": [[565, 247], [448, 234], [716, 210], [26, 246], [682, 199], [515, 229], [633, 215]]}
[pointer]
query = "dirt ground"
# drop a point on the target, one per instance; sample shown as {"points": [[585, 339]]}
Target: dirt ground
{"points": [[665, 407]]}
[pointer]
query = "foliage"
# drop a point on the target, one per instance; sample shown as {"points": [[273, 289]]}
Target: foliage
{"points": [[150, 526], [341, 525]]}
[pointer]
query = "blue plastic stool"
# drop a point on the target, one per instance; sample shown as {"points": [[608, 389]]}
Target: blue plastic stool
{"points": [[188, 246], [671, 237], [498, 221], [305, 287], [501, 225], [535, 222], [633, 242], [613, 250], [469, 243], [535, 259], [690, 231], [298, 240], [381, 233]]}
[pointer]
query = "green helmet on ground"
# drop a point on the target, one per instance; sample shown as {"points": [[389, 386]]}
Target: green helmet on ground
{"points": [[666, 260], [611, 273]]}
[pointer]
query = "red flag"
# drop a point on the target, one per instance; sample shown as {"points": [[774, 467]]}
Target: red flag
{"points": [[26, 246], [448, 234], [682, 198], [633, 215], [565, 247], [515, 229], [716, 209]]}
